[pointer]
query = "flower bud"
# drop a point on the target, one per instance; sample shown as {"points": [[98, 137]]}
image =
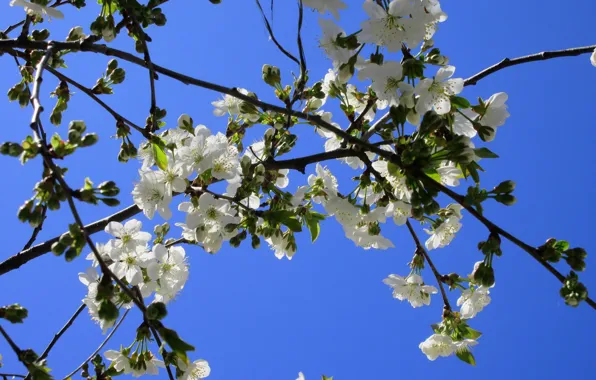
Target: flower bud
{"points": [[271, 75], [157, 311]]}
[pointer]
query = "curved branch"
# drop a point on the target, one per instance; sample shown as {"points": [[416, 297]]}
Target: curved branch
{"points": [[545, 55], [498, 230], [270, 30]]}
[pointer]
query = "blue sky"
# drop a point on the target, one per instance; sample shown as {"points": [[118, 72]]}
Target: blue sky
{"points": [[327, 311]]}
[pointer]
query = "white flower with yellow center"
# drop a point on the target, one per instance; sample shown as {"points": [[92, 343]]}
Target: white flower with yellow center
{"points": [[435, 93]]}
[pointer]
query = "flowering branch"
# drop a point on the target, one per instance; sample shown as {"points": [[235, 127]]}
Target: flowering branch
{"points": [[498, 230]]}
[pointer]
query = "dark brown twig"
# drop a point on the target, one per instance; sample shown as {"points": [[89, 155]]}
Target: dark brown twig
{"points": [[90, 93], [272, 35], [498, 230], [545, 55], [422, 251]]}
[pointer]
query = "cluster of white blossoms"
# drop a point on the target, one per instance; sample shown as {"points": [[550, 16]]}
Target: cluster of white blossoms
{"points": [[159, 271]]}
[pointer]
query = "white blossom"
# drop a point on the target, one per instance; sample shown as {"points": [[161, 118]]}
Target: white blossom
{"points": [[386, 82], [197, 155], [328, 42], [442, 235], [438, 345], [472, 301], [411, 288], [405, 21], [593, 58], [199, 369], [322, 6], [34, 9], [435, 93], [128, 236], [325, 180], [281, 245], [400, 211], [120, 362], [449, 173], [151, 195]]}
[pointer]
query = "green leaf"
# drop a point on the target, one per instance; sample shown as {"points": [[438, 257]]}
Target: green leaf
{"points": [[460, 102], [177, 345], [393, 169], [470, 333], [293, 224], [432, 173], [160, 157], [326, 378], [485, 153], [466, 356], [313, 227]]}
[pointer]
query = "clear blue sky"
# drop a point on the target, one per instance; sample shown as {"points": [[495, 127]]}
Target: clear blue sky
{"points": [[327, 311]]}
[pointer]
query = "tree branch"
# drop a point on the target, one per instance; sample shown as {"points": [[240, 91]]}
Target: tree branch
{"points": [[498, 230], [105, 341], [545, 55], [57, 336], [103, 49], [41, 249]]}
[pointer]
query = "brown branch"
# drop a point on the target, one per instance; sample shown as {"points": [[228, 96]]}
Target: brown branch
{"points": [[105, 341], [34, 252], [143, 37], [422, 251], [545, 55], [103, 49], [498, 230], [57, 336]]}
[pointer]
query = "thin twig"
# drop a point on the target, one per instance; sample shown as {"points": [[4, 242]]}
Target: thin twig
{"points": [[270, 30], [7, 375], [105, 341], [37, 229], [545, 55], [422, 251], [11, 343], [154, 333], [142, 36], [90, 93], [59, 334]]}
